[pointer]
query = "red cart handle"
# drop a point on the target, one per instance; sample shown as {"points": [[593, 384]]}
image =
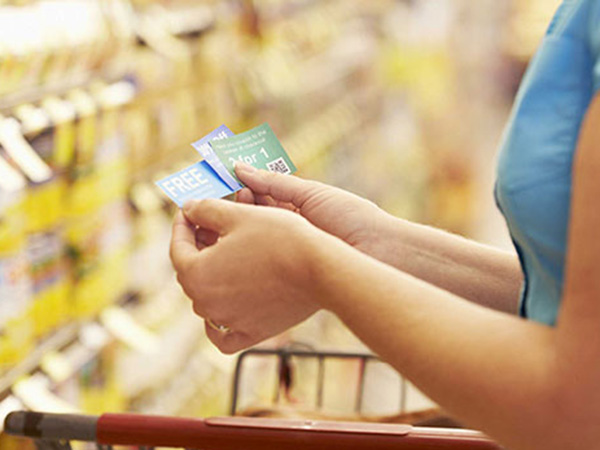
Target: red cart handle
{"points": [[233, 433]]}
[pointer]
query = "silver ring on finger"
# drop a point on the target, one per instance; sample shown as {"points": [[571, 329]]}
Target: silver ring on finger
{"points": [[217, 327]]}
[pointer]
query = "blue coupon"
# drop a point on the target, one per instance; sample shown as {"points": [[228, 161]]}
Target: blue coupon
{"points": [[204, 148], [196, 182]]}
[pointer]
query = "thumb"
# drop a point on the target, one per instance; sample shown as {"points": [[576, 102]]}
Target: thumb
{"points": [[283, 188], [216, 215]]}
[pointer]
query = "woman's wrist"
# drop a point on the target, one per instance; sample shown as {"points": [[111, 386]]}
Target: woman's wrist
{"points": [[331, 264], [328, 264]]}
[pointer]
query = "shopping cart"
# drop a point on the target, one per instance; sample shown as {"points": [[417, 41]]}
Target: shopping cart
{"points": [[56, 431], [285, 356], [284, 405]]}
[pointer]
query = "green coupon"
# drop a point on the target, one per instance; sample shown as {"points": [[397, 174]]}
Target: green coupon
{"points": [[258, 147]]}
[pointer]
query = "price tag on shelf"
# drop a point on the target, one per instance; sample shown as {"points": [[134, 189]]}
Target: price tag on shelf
{"points": [[57, 366], [34, 392], [94, 336], [125, 328], [10, 179], [8, 405], [22, 153]]}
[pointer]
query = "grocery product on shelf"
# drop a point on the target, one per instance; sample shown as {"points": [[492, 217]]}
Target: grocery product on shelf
{"points": [[15, 280], [45, 218]]}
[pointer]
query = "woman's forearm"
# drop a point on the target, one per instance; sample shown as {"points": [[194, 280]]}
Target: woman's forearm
{"points": [[490, 369], [470, 270], [473, 271]]}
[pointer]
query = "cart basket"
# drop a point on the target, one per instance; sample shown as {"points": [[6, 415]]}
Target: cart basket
{"points": [[236, 433]]}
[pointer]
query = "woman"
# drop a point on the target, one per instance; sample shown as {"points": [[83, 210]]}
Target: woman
{"points": [[441, 309]]}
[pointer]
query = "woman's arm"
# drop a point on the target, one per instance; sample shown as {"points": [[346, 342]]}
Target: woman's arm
{"points": [[270, 270], [470, 270], [528, 385], [578, 335], [532, 387]]}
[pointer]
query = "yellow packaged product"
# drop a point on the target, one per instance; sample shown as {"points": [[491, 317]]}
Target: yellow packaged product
{"points": [[29, 144], [85, 201], [15, 286], [112, 164]]}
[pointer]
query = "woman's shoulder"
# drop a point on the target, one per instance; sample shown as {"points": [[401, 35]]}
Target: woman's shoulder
{"points": [[575, 19]]}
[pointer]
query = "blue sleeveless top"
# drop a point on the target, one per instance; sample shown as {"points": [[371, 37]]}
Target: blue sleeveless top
{"points": [[533, 185]]}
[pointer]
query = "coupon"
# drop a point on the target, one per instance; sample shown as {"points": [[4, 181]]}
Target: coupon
{"points": [[196, 182], [258, 147], [203, 147]]}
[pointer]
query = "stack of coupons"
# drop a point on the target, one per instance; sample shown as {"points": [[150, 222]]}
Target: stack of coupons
{"points": [[214, 176]]}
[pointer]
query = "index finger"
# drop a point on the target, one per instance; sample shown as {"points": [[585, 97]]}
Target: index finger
{"points": [[183, 242], [283, 188]]}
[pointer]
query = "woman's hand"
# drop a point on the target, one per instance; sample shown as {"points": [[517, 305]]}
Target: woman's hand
{"points": [[349, 217], [252, 269]]}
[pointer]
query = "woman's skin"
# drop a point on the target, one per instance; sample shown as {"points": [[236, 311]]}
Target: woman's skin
{"points": [[466, 268], [431, 304]]}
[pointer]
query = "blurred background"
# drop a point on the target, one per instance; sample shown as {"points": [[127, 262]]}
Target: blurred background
{"points": [[402, 102]]}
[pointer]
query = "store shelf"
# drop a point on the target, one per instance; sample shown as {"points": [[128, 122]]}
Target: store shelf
{"points": [[60, 339], [35, 94]]}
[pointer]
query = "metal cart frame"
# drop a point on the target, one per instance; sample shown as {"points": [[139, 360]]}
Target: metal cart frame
{"points": [[284, 356]]}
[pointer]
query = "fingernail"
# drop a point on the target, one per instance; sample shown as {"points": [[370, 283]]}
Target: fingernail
{"points": [[243, 167]]}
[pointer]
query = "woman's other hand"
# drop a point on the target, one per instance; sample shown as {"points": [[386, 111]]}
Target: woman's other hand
{"points": [[347, 216], [252, 269]]}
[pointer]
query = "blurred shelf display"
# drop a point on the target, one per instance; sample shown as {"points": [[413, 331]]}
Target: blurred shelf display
{"points": [[393, 100]]}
